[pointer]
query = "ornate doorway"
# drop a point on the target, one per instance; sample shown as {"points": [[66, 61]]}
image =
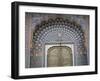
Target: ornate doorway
{"points": [[53, 33], [57, 55]]}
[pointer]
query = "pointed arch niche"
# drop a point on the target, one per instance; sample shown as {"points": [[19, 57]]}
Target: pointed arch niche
{"points": [[58, 32]]}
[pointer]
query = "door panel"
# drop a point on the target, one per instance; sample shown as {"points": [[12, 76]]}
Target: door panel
{"points": [[59, 56]]}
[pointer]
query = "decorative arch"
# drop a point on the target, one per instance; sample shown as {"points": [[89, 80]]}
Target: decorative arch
{"points": [[48, 32]]}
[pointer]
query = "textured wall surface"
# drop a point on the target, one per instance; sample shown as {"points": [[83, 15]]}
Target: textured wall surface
{"points": [[42, 29]]}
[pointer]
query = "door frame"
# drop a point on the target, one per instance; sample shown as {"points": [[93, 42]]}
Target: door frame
{"points": [[47, 46]]}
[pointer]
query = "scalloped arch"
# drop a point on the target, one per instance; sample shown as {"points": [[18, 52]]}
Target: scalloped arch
{"points": [[46, 33], [69, 28]]}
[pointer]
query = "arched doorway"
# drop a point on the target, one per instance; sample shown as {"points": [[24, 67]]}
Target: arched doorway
{"points": [[58, 31], [59, 56]]}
